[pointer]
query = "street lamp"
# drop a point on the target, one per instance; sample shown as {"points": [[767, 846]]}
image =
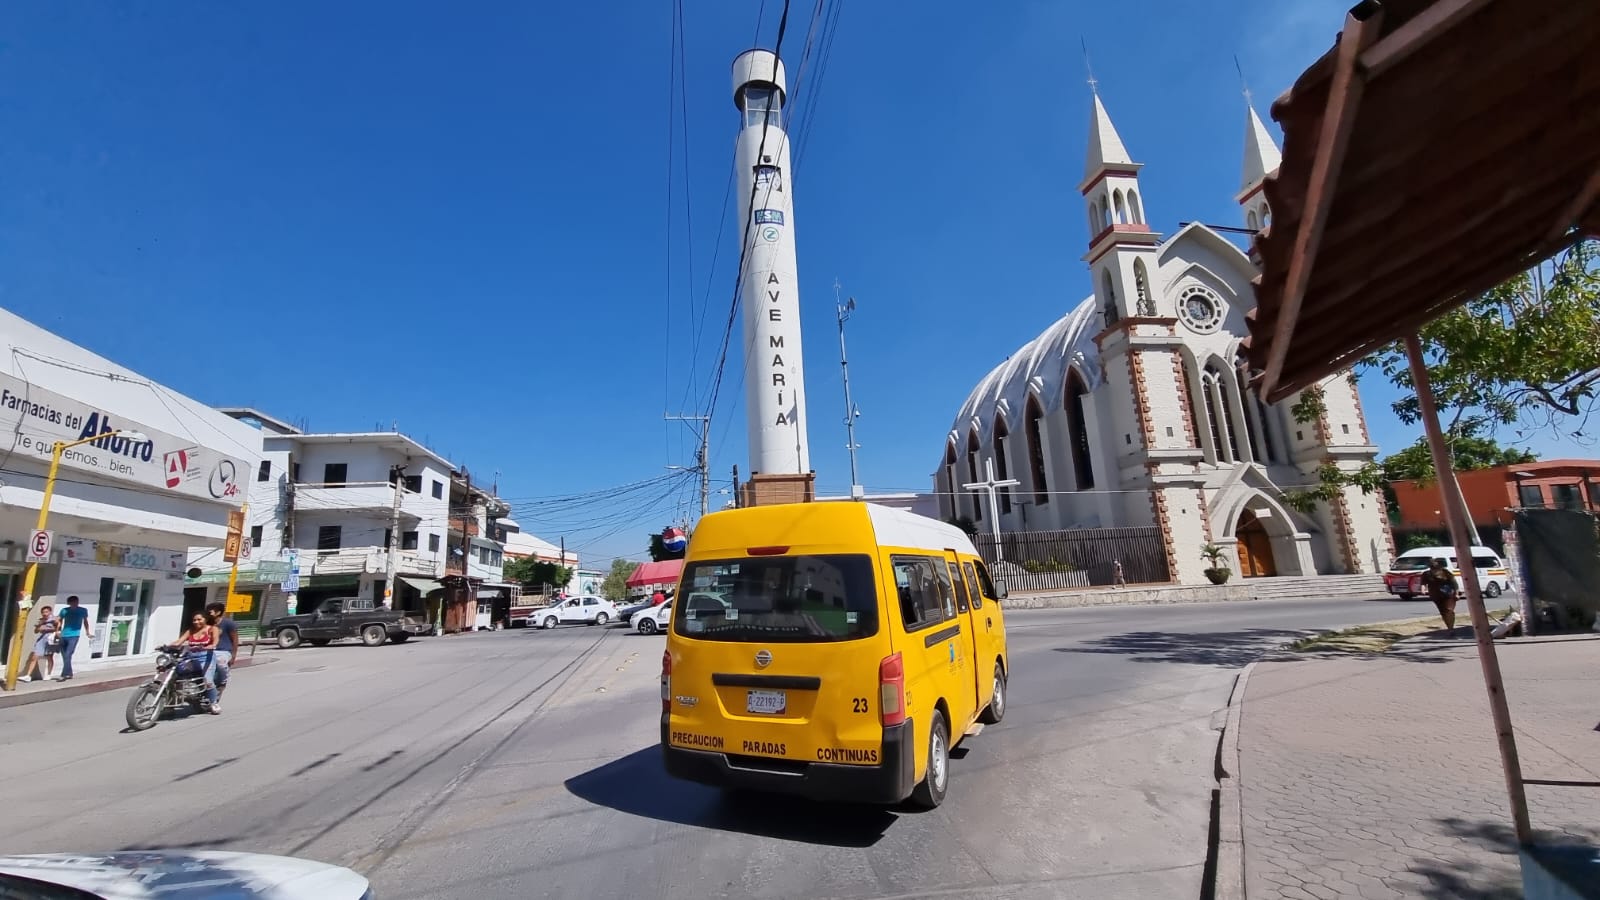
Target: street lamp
{"points": [[25, 602]]}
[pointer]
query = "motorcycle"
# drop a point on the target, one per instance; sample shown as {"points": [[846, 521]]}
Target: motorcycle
{"points": [[179, 681]]}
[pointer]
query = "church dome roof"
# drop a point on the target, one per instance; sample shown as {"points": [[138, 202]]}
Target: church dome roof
{"points": [[1041, 364]]}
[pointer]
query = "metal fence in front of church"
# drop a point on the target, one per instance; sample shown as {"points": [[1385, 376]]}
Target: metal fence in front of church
{"points": [[1075, 558]]}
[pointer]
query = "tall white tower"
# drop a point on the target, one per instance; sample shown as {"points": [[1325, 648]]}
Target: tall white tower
{"points": [[775, 403]]}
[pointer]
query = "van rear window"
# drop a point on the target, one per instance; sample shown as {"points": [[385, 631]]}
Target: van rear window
{"points": [[779, 599]]}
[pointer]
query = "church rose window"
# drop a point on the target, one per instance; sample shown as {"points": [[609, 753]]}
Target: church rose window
{"points": [[1200, 309]]}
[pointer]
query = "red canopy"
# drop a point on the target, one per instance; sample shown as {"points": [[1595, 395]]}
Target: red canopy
{"points": [[664, 572]]}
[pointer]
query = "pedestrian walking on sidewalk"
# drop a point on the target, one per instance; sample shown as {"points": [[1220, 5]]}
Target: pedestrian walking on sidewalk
{"points": [[227, 648], [47, 640], [74, 625], [1441, 584]]}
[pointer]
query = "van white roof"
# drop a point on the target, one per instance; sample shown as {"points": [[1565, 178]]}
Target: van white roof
{"points": [[1448, 551], [899, 528]]}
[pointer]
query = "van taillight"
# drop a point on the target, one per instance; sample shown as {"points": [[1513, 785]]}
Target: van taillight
{"points": [[892, 690], [766, 551], [666, 681]]}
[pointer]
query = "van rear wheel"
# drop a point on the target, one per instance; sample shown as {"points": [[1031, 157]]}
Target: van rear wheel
{"points": [[930, 792], [1493, 590], [996, 710]]}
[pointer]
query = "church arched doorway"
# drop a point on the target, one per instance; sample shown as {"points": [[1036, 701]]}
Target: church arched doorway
{"points": [[1254, 547]]}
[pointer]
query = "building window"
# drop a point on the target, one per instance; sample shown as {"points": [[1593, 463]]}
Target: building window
{"points": [[334, 473], [438, 490], [1077, 424], [1530, 495], [433, 543], [255, 535], [1594, 494], [294, 472], [1001, 433], [1141, 286], [972, 472], [1566, 496], [408, 540], [1035, 416], [762, 106], [1108, 300], [264, 471], [414, 483], [950, 476], [328, 537]]}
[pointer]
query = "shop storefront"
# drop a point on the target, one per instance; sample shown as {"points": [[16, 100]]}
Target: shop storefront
{"points": [[144, 474]]}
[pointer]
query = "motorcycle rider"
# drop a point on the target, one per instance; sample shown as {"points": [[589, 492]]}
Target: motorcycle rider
{"points": [[227, 648], [200, 641]]}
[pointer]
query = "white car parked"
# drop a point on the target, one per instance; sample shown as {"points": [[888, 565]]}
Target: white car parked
{"points": [[574, 611], [654, 619]]}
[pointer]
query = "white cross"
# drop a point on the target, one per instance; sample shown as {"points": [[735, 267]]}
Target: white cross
{"points": [[993, 485]]}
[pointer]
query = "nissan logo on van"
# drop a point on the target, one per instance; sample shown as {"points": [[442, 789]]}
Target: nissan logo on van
{"points": [[763, 658]]}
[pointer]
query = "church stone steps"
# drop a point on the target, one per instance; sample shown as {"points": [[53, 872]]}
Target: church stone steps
{"points": [[1354, 588]]}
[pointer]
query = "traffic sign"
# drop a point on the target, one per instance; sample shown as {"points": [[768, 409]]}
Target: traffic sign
{"points": [[240, 603], [39, 546]]}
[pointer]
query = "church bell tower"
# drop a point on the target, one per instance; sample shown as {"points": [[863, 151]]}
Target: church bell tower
{"points": [[1153, 444]]}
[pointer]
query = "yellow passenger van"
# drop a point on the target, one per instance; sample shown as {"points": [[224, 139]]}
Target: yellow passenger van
{"points": [[835, 650]]}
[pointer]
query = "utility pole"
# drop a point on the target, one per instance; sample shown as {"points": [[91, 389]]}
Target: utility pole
{"points": [[702, 456], [857, 492], [737, 502], [397, 474]]}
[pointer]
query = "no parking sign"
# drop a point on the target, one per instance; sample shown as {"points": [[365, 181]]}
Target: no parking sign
{"points": [[39, 543]]}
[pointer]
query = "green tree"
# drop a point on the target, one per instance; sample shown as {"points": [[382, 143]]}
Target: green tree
{"points": [[1415, 463], [615, 587], [1526, 353], [659, 551], [532, 572]]}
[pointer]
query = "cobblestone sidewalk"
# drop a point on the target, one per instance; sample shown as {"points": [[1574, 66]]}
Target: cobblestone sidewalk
{"points": [[1378, 777]]}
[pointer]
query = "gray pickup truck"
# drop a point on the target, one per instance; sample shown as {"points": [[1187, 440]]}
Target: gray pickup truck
{"points": [[345, 617]]}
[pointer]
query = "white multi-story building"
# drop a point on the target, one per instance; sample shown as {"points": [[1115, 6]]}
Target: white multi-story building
{"points": [[126, 507], [323, 504], [1130, 411]]}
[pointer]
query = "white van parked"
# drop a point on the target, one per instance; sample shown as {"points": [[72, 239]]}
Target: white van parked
{"points": [[1404, 577]]}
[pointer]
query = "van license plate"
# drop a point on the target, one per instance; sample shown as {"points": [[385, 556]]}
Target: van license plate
{"points": [[767, 702]]}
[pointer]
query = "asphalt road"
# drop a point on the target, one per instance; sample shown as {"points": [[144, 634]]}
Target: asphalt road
{"points": [[524, 764]]}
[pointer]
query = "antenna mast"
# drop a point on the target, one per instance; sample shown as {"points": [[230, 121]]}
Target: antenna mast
{"points": [[844, 310]]}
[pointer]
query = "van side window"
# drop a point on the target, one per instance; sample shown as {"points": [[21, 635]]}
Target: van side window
{"points": [[1485, 562], [985, 583], [972, 579], [947, 595], [916, 580], [961, 587]]}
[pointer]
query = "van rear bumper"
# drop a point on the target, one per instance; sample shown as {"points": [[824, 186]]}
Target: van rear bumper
{"points": [[890, 781]]}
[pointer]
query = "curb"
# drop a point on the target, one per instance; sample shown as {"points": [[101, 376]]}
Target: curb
{"points": [[96, 687], [1228, 881]]}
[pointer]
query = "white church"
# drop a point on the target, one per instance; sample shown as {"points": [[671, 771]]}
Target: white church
{"points": [[1130, 411]]}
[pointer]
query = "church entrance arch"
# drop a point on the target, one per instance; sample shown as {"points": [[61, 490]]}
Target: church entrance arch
{"points": [[1256, 559]]}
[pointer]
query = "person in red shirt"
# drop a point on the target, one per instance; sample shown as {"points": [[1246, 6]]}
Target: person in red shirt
{"points": [[658, 598]]}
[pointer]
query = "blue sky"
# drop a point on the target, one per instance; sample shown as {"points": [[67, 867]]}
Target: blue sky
{"points": [[369, 213]]}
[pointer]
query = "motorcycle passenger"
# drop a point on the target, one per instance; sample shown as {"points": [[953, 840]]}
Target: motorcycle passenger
{"points": [[198, 643], [227, 649]]}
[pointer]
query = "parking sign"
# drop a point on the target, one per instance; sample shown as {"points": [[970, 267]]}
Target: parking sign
{"points": [[39, 546]]}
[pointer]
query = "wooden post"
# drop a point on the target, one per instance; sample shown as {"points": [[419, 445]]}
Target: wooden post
{"points": [[1456, 516]]}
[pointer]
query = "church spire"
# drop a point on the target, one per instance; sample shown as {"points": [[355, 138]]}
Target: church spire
{"points": [[1105, 145], [1261, 156]]}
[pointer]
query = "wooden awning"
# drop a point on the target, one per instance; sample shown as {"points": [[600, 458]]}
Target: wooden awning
{"points": [[1441, 147]]}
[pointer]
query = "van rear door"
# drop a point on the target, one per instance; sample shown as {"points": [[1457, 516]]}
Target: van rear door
{"points": [[769, 663]]}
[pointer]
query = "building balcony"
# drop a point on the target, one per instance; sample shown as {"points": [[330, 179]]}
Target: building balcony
{"points": [[355, 496], [368, 561]]}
